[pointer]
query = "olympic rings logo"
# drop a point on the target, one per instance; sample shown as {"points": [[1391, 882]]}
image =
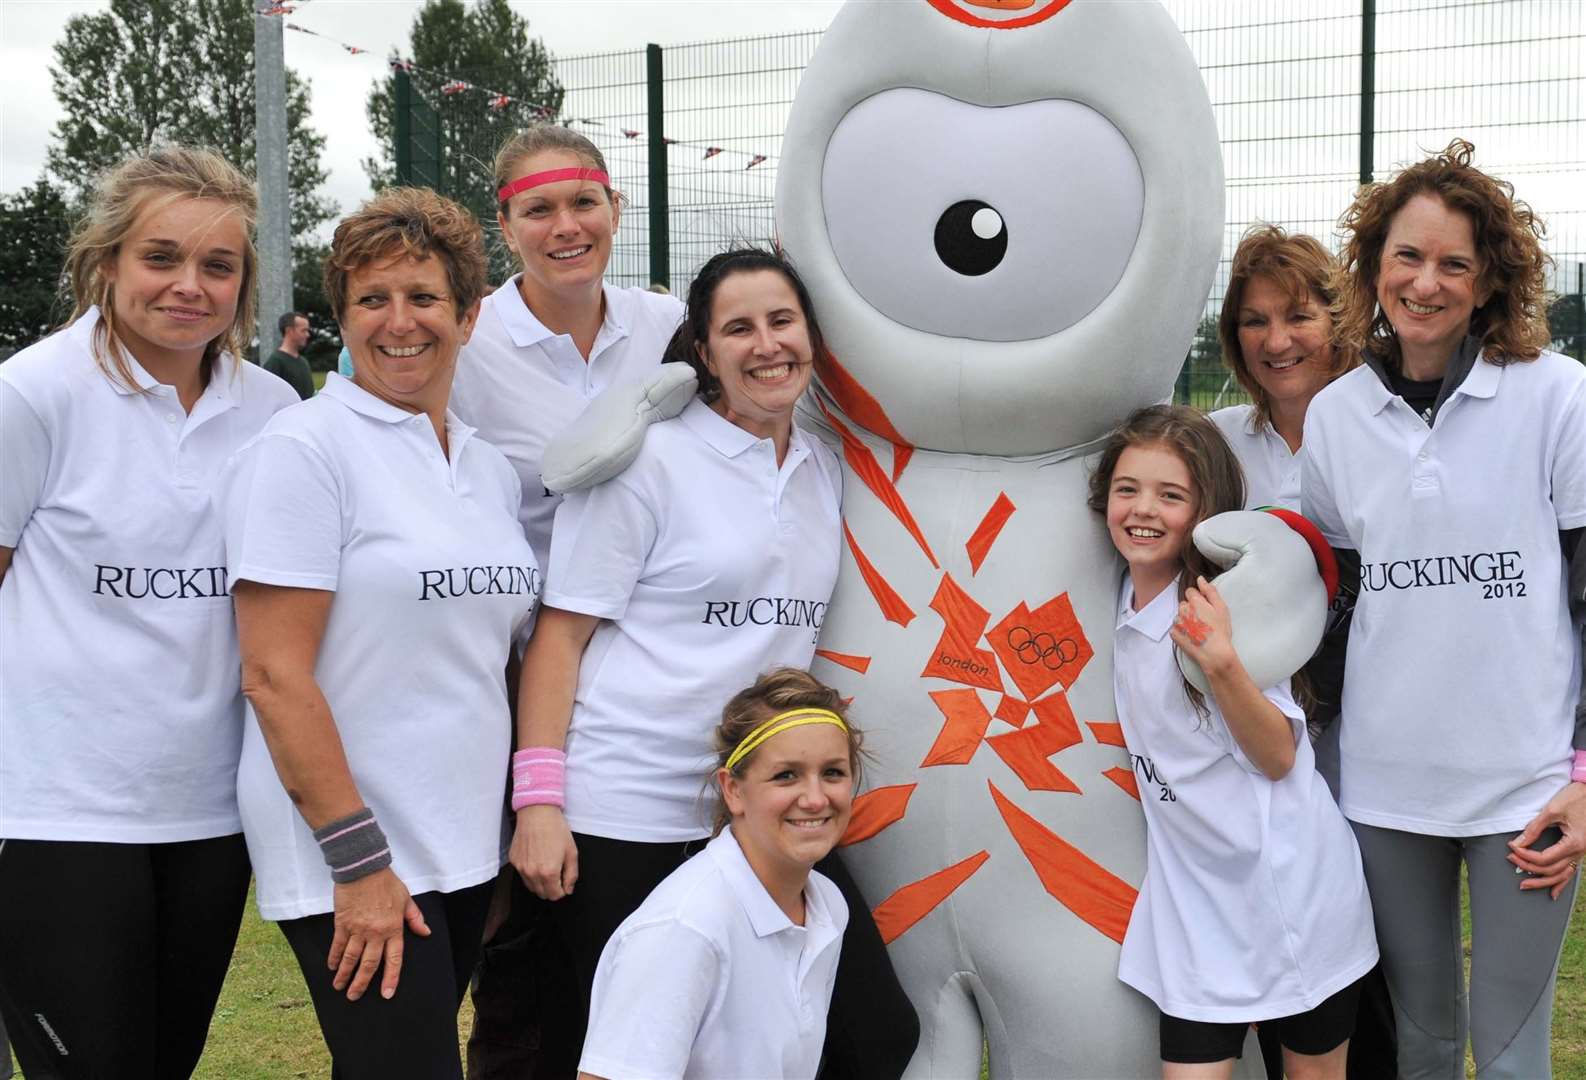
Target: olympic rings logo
{"points": [[1042, 648]]}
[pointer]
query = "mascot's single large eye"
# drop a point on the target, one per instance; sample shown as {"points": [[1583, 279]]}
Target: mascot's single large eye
{"points": [[991, 224]]}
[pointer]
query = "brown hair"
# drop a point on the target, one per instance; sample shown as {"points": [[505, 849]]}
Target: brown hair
{"points": [[117, 203], [1214, 472], [774, 692], [531, 141], [1297, 264], [1512, 324], [415, 222]]}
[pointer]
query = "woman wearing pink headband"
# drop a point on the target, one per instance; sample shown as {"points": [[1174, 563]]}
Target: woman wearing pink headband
{"points": [[549, 340]]}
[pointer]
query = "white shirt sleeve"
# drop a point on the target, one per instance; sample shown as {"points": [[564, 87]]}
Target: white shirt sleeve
{"points": [[652, 990], [25, 449], [1280, 696], [1569, 464], [599, 544], [283, 513], [1316, 496]]}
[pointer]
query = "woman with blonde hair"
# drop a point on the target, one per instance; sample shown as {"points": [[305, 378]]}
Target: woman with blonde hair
{"points": [[122, 865], [1452, 465]]}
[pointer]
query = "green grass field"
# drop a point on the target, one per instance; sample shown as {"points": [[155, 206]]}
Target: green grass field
{"points": [[264, 1027]]}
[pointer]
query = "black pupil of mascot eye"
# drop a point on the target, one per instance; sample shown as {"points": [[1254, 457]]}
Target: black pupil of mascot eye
{"points": [[964, 249]]}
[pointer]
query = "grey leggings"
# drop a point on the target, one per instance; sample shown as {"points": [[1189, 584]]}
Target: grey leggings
{"points": [[1516, 939]]}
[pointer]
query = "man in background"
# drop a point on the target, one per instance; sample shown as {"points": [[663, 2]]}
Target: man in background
{"points": [[287, 361]]}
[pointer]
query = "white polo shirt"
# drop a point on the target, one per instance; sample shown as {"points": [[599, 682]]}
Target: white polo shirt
{"points": [[709, 979], [120, 713], [711, 565], [519, 384], [1272, 471], [432, 577], [1463, 668], [1254, 905]]}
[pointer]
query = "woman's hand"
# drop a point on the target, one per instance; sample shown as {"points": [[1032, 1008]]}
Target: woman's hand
{"points": [[1203, 630], [370, 916], [1553, 866], [543, 852]]}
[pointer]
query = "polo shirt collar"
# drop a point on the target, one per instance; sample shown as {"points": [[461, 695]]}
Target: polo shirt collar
{"points": [[764, 916], [1464, 376], [1155, 619], [525, 328], [216, 396], [341, 389], [730, 440]]}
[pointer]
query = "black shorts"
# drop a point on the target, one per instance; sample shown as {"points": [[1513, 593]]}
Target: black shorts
{"points": [[1324, 1028]]}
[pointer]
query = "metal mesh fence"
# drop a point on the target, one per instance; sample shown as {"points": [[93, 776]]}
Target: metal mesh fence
{"points": [[1286, 88]]}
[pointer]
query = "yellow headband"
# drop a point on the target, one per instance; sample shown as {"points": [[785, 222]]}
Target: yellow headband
{"points": [[779, 723]]}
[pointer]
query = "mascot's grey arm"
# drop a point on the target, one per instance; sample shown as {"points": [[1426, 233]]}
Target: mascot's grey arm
{"points": [[607, 436], [1275, 596]]}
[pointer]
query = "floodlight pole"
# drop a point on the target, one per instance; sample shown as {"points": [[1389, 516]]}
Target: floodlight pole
{"points": [[275, 208], [1368, 88]]}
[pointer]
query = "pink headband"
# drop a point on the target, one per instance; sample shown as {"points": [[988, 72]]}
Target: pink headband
{"points": [[551, 176]]}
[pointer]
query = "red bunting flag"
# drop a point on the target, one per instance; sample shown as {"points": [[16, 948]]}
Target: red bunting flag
{"points": [[355, 50], [710, 152], [276, 9], [669, 142], [757, 159], [630, 133], [398, 64], [544, 112], [500, 101], [456, 86]]}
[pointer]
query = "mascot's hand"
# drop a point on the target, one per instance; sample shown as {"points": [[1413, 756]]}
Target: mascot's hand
{"points": [[1274, 589], [603, 441]]}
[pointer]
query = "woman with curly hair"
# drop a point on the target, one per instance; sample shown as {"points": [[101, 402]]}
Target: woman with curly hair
{"points": [[1452, 465], [379, 574]]}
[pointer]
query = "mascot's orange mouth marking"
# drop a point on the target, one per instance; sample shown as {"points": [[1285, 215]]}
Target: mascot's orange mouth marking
{"points": [[913, 902], [986, 533], [958, 14], [1072, 878], [875, 810], [967, 720]]}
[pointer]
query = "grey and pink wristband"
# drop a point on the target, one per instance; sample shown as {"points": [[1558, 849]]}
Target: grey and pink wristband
{"points": [[353, 847]]}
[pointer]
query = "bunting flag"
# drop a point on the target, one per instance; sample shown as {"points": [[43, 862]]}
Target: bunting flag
{"points": [[495, 100]]}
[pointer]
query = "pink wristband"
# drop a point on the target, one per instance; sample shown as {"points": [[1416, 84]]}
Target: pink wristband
{"points": [[539, 776], [1578, 773]]}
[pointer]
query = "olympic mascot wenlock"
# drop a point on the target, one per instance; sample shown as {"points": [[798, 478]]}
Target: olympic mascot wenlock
{"points": [[1008, 215]]}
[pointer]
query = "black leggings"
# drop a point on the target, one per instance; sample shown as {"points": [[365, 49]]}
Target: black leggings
{"points": [[112, 955], [872, 1028], [415, 1032]]}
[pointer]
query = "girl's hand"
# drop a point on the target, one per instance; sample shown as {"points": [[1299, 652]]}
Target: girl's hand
{"points": [[543, 852], [1203, 630], [1552, 867], [370, 916]]}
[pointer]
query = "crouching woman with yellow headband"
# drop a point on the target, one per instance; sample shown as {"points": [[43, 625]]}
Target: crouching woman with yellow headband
{"points": [[726, 970]]}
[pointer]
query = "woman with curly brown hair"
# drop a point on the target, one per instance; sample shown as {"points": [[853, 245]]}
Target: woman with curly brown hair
{"points": [[380, 573], [1452, 464]]}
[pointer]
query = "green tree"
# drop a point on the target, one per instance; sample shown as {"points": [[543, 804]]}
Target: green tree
{"points": [[1566, 318], [485, 44], [35, 224], [145, 72]]}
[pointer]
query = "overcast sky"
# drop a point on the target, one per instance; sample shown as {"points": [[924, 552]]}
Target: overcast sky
{"points": [[29, 30]]}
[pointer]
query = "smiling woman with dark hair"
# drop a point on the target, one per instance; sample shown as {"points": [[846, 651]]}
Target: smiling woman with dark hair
{"points": [[380, 575]]}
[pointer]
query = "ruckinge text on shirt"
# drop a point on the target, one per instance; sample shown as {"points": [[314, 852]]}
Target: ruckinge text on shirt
{"points": [[1432, 571], [766, 611], [160, 582], [479, 581]]}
